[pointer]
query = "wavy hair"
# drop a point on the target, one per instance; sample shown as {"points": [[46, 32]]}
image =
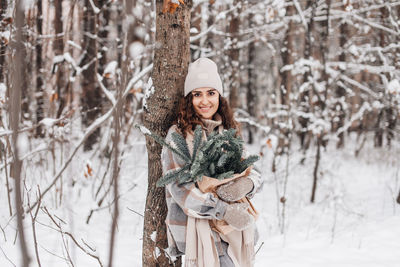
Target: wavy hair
{"points": [[187, 118]]}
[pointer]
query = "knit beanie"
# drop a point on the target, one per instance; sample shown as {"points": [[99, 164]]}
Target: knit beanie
{"points": [[203, 73]]}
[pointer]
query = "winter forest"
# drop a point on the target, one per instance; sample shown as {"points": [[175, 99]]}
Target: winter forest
{"points": [[314, 84]]}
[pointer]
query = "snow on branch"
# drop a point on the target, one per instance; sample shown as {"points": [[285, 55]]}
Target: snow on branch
{"points": [[96, 124], [335, 73], [108, 94], [363, 67], [298, 7], [366, 21], [360, 113]]}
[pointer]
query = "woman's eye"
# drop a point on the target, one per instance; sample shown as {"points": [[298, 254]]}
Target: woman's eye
{"points": [[196, 94], [211, 93]]}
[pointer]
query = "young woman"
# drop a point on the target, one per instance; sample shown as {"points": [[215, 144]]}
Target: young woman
{"points": [[193, 214]]}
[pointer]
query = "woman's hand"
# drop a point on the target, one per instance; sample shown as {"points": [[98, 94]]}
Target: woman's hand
{"points": [[235, 190], [237, 216]]}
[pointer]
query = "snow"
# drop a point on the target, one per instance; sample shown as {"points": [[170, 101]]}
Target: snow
{"points": [[144, 130], [58, 59], [354, 221], [111, 67], [3, 90], [6, 35], [153, 236], [394, 87], [48, 122], [148, 92], [136, 49]]}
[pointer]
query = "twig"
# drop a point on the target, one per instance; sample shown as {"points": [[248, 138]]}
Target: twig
{"points": [[135, 212], [72, 237], [5, 255], [7, 184], [259, 247], [96, 124], [33, 218]]}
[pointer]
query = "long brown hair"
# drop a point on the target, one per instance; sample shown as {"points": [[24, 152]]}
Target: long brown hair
{"points": [[187, 118]]}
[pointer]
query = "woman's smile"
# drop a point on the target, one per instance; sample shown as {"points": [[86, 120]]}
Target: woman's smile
{"points": [[205, 102]]}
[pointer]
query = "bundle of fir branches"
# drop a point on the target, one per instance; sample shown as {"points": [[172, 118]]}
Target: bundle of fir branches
{"points": [[220, 156]]}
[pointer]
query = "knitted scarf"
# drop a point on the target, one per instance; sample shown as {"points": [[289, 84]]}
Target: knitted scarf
{"points": [[200, 245]]}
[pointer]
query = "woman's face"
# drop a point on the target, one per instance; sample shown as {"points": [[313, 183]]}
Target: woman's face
{"points": [[205, 102]]}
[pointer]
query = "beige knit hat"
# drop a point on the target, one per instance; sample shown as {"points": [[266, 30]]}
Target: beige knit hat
{"points": [[203, 73]]}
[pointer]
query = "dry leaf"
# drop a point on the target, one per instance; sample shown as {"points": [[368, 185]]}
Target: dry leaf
{"points": [[54, 97], [89, 170], [169, 6], [107, 75], [7, 21], [269, 143], [137, 90]]}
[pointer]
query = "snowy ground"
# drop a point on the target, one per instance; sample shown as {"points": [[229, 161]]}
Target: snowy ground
{"points": [[354, 222]]}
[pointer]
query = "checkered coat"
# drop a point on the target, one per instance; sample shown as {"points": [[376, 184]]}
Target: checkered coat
{"points": [[187, 200]]}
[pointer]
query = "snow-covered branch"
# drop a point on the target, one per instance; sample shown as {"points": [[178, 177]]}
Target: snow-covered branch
{"points": [[96, 124]]}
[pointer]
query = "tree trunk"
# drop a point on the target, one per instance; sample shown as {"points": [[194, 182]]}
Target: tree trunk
{"points": [[340, 92], [288, 57], [58, 47], [171, 60], [91, 95], [15, 112], [39, 74], [3, 9], [305, 96], [251, 88], [234, 84], [315, 180]]}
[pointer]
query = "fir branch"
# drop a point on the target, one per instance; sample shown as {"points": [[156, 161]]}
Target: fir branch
{"points": [[162, 142], [197, 142], [181, 144]]}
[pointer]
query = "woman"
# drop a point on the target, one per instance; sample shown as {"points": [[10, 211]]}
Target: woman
{"points": [[191, 211]]}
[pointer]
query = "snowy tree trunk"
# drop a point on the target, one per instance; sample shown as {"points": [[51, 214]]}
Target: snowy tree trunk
{"points": [[15, 112], [91, 96], [171, 59], [340, 91], [288, 57]]}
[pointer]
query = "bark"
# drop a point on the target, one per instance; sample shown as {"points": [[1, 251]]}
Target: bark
{"points": [[234, 84], [288, 57], [305, 96], [39, 74], [251, 89], [58, 47], [315, 174], [103, 34], [171, 59], [340, 92], [15, 112], [91, 95], [3, 45]]}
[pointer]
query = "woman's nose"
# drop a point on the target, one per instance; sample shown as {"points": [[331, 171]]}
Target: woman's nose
{"points": [[204, 99]]}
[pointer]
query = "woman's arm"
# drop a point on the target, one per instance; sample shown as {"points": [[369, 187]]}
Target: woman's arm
{"points": [[192, 201]]}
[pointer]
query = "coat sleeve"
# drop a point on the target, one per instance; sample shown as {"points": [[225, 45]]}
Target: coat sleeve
{"points": [[193, 202]]}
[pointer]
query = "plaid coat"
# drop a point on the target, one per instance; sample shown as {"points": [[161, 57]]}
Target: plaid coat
{"points": [[187, 200]]}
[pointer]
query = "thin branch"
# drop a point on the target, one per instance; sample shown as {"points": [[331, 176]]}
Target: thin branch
{"points": [[96, 124]]}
